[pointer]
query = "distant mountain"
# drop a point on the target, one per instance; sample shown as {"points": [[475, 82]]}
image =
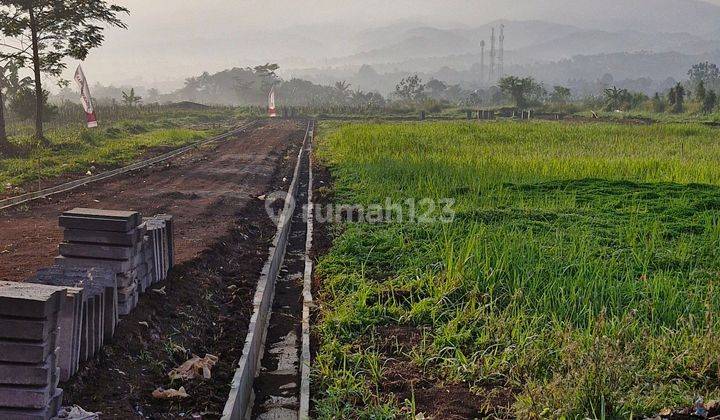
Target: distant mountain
{"points": [[519, 34], [413, 43], [602, 42], [525, 42], [693, 16]]}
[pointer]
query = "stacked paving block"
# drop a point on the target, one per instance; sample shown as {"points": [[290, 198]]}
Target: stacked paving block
{"points": [[94, 293], [30, 317], [65, 314], [109, 240], [160, 245]]}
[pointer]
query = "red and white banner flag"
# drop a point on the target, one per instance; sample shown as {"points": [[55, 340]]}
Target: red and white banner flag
{"points": [[85, 97], [271, 103]]}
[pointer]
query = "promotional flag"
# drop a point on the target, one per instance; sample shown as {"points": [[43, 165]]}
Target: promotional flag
{"points": [[85, 97], [271, 103]]}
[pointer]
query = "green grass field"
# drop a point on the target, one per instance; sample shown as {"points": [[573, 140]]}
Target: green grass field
{"points": [[77, 150], [580, 274]]}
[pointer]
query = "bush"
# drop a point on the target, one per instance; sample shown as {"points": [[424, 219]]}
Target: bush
{"points": [[24, 105]]}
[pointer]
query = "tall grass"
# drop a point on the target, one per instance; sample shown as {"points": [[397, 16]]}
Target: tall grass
{"points": [[581, 271]]}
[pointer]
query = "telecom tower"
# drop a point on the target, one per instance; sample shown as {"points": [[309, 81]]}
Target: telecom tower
{"points": [[482, 60], [492, 55], [501, 54]]}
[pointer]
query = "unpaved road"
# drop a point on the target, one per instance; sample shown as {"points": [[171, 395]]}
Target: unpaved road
{"points": [[222, 238], [203, 190]]}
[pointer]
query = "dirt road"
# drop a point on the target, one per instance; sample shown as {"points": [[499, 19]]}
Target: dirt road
{"points": [[203, 189], [222, 239]]}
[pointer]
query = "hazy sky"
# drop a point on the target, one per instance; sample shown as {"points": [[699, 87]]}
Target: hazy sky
{"points": [[168, 40]]}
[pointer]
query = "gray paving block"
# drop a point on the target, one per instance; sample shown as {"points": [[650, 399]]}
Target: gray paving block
{"points": [[28, 374], [29, 300], [112, 265], [96, 283], [92, 329], [35, 414], [26, 397], [142, 277], [78, 298], [84, 352], [126, 279], [100, 323], [100, 224], [68, 330], [156, 228], [165, 255], [98, 251], [28, 328], [106, 238], [126, 307], [170, 225], [126, 293], [110, 314], [26, 351], [131, 216]]}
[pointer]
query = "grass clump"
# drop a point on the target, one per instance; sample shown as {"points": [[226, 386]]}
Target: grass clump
{"points": [[580, 272]]}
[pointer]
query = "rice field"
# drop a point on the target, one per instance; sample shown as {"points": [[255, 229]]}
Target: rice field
{"points": [[579, 277]]}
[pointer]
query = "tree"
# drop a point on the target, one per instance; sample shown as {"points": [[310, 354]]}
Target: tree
{"points": [[343, 90], [709, 102], [23, 105], [410, 88], [560, 95], [700, 91], [130, 98], [10, 85], [436, 88], [676, 97], [706, 72], [369, 99], [658, 103], [267, 75], [45, 32], [616, 99], [519, 88]]}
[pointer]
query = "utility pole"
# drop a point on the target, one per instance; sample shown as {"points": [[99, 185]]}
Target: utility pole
{"points": [[501, 56], [492, 56], [482, 61]]}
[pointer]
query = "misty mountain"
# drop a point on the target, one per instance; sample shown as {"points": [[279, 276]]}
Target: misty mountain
{"points": [[692, 16], [525, 42], [407, 40], [519, 34], [412, 43], [602, 42]]}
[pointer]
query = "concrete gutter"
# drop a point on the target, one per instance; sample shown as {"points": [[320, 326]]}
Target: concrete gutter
{"points": [[305, 361], [239, 404]]}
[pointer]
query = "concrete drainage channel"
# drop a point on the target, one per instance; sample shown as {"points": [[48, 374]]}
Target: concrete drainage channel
{"points": [[272, 380]]}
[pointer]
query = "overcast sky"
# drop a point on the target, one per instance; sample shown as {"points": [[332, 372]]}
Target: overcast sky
{"points": [[171, 39]]}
